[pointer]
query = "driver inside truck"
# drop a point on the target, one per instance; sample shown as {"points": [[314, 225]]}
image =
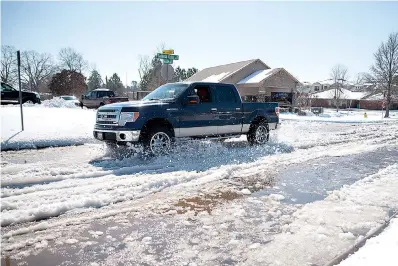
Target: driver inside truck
{"points": [[203, 94]]}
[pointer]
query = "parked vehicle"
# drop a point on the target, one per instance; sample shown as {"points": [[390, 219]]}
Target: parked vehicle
{"points": [[9, 95], [176, 110], [70, 98], [100, 97]]}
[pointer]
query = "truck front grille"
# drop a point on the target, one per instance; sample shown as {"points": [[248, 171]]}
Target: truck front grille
{"points": [[108, 116]]}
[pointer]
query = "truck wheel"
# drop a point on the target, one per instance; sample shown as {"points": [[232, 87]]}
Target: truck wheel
{"points": [[158, 140], [28, 101], [258, 133]]}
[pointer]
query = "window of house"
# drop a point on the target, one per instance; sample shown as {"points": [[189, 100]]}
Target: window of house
{"points": [[316, 88]]}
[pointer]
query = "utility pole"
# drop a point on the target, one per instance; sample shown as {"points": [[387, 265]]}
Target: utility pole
{"points": [[20, 87]]}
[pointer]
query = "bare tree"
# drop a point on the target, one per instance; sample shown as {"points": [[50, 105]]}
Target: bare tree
{"points": [[35, 68], [360, 78], [149, 70], [385, 68], [9, 72], [338, 74], [144, 65], [72, 60]]}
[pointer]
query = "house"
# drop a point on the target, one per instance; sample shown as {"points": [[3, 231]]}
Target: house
{"points": [[351, 99], [255, 80]]}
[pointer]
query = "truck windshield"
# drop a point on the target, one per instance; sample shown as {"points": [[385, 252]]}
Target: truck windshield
{"points": [[166, 92]]}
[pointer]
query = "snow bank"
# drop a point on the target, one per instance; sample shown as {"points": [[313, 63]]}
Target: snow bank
{"points": [[45, 127], [54, 103], [380, 250]]}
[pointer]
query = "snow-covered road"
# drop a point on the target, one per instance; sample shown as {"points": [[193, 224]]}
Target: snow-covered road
{"points": [[207, 203]]}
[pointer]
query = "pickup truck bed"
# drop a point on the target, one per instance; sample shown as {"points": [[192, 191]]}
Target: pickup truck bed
{"points": [[176, 110]]}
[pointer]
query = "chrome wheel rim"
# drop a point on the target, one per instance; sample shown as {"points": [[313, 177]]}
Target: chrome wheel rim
{"points": [[160, 143], [29, 102], [261, 134]]}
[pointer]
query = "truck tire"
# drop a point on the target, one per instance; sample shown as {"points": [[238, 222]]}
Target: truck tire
{"points": [[158, 140], [258, 133], [28, 100]]}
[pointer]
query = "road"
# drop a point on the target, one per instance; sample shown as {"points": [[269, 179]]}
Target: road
{"points": [[302, 199]]}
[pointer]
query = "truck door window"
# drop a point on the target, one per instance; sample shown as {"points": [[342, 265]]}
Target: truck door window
{"points": [[225, 94], [93, 95], [204, 93], [5, 87]]}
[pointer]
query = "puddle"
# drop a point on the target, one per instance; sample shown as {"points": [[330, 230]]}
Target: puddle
{"points": [[309, 182], [205, 202]]}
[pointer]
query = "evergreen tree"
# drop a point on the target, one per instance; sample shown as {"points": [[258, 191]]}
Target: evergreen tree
{"points": [[115, 84], [94, 81]]}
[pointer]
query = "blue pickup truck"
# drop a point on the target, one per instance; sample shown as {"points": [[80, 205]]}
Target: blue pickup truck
{"points": [[186, 109]]}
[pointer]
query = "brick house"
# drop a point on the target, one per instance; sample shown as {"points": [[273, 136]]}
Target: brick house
{"points": [[255, 81]]}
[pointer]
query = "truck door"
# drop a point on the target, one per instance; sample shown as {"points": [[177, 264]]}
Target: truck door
{"points": [[91, 99], [199, 119], [228, 109]]}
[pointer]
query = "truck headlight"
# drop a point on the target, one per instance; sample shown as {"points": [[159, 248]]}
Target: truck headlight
{"points": [[128, 117]]}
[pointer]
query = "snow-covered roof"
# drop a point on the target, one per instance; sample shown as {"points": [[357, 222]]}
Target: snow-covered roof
{"points": [[216, 78], [327, 82], [344, 94], [378, 96], [257, 76]]}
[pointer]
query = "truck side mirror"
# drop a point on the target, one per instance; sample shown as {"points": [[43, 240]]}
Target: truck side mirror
{"points": [[193, 99]]}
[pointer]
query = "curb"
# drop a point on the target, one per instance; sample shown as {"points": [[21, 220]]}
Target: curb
{"points": [[361, 243]]}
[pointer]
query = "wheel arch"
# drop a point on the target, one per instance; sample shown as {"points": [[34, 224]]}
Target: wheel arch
{"points": [[28, 98], [257, 120], [154, 122]]}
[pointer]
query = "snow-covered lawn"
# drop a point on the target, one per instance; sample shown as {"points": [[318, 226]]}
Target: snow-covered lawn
{"points": [[46, 126], [343, 116], [380, 250]]}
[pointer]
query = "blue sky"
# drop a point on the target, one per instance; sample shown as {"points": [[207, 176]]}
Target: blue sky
{"points": [[306, 38]]}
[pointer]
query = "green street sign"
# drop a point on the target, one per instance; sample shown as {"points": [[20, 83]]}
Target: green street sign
{"points": [[173, 56], [167, 61], [162, 56]]}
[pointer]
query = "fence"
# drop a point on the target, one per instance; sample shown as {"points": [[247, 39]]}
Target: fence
{"points": [[137, 95]]}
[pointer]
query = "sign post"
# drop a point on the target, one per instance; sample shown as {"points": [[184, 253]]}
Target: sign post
{"points": [[167, 57], [383, 105], [20, 86]]}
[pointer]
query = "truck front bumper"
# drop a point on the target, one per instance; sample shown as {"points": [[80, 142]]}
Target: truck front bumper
{"points": [[116, 135]]}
